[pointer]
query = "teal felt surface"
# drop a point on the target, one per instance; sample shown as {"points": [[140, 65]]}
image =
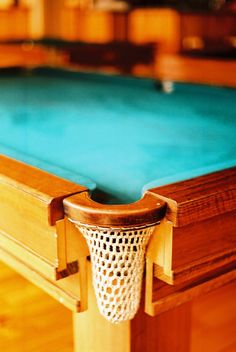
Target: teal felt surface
{"points": [[119, 132]]}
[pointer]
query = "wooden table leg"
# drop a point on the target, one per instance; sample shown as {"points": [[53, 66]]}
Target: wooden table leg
{"points": [[167, 332], [93, 333]]}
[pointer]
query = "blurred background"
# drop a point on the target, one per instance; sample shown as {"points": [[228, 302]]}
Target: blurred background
{"points": [[190, 40]]}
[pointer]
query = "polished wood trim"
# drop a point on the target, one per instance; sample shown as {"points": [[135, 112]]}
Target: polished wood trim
{"points": [[203, 265], [81, 208], [32, 216], [66, 297], [43, 186], [31, 320], [199, 198], [189, 252], [45, 267], [24, 218], [203, 246], [160, 251], [161, 297]]}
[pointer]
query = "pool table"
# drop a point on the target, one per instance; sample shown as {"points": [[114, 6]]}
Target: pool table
{"points": [[114, 173]]}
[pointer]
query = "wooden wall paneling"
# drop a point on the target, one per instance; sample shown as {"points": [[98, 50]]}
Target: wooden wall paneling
{"points": [[14, 23]]}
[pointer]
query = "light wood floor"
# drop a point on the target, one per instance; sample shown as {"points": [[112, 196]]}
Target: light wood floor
{"points": [[30, 320]]}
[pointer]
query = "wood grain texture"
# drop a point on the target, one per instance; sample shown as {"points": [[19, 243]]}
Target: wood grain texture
{"points": [[204, 246], [167, 332], [24, 218], [147, 210], [31, 210], [69, 290], [199, 198], [31, 321], [40, 186], [46, 268], [214, 321], [77, 252], [186, 253], [66, 291], [161, 297], [206, 324], [23, 222], [160, 251]]}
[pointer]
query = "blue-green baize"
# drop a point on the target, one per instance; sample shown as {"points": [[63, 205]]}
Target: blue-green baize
{"points": [[121, 133]]}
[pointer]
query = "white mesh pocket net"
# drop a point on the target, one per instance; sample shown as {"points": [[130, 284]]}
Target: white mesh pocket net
{"points": [[117, 257]]}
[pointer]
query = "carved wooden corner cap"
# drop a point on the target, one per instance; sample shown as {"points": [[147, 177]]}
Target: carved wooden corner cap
{"points": [[146, 211]]}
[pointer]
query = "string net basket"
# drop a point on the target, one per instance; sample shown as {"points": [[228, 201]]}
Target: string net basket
{"points": [[117, 257]]}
